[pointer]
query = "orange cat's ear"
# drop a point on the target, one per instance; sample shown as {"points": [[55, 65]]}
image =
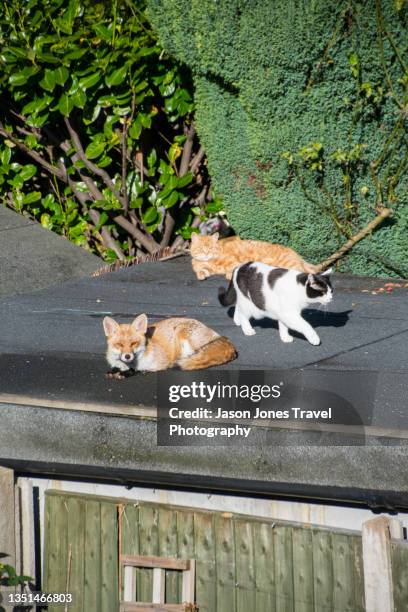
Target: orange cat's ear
{"points": [[215, 236], [194, 238]]}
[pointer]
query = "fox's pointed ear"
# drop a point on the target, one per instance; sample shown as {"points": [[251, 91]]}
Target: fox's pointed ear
{"points": [[110, 326], [215, 236], [327, 272], [139, 325]]}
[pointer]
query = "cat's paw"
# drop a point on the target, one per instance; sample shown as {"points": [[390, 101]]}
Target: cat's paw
{"points": [[315, 340], [287, 338], [201, 275], [249, 332]]}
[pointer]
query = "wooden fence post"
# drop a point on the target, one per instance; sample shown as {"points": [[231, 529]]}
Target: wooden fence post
{"points": [[7, 524], [378, 585]]}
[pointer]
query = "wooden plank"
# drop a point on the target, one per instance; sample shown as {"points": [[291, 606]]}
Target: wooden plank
{"points": [[76, 544], [244, 566], [149, 607], [149, 546], [322, 570], [343, 573], [188, 585], [303, 569], [92, 574], [109, 558], [264, 567], [168, 547], [129, 583], [56, 548], [378, 580], [186, 550], [206, 586], [283, 568], [130, 545], [155, 561], [225, 555], [159, 583], [357, 547]]}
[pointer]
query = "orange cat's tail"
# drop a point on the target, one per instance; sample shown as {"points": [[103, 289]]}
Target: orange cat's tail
{"points": [[310, 268], [218, 351]]}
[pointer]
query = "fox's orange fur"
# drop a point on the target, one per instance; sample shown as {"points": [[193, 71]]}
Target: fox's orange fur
{"points": [[186, 343], [212, 256]]}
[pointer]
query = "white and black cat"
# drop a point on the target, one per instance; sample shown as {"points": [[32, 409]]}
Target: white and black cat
{"points": [[259, 291]]}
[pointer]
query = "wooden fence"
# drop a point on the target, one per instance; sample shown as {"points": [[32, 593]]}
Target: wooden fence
{"points": [[243, 564]]}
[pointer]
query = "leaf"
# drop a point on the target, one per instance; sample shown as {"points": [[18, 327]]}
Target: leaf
{"points": [[95, 149], [116, 77], [79, 98], [89, 81], [150, 215], [185, 180], [28, 172], [65, 104], [135, 129], [48, 82], [45, 221], [60, 75], [171, 200], [5, 155], [29, 198]]}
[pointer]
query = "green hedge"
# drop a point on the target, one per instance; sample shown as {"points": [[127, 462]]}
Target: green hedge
{"points": [[302, 107]]}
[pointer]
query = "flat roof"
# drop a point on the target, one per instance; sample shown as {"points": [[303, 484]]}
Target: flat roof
{"points": [[58, 414]]}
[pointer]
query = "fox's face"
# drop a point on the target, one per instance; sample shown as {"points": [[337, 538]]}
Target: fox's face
{"points": [[125, 340]]}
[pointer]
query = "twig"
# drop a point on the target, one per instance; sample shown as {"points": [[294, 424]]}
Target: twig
{"points": [[197, 159], [169, 222], [386, 212], [187, 149], [33, 154]]}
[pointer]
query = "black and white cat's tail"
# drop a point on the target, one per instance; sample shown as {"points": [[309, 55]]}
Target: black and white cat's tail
{"points": [[227, 297]]}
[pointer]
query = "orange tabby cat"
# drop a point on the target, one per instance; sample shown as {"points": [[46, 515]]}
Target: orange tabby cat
{"points": [[212, 256]]}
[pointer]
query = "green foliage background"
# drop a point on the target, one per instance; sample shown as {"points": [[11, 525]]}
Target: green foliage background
{"points": [[302, 108], [96, 137]]}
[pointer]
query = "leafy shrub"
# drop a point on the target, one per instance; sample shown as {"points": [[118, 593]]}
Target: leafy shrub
{"points": [[96, 136], [302, 110]]}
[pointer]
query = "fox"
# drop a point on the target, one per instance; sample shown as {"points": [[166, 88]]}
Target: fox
{"points": [[175, 342]]}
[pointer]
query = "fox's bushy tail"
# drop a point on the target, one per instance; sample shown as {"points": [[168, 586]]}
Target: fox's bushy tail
{"points": [[227, 297], [218, 351]]}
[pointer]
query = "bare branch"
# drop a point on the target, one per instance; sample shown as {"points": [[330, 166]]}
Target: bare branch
{"points": [[33, 154], [90, 165], [187, 150], [197, 159]]}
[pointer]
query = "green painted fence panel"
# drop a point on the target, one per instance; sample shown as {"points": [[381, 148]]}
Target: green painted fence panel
{"points": [[243, 564], [225, 559], [264, 567], [168, 547], [93, 561], [148, 545], [109, 556], [204, 536], [399, 558]]}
